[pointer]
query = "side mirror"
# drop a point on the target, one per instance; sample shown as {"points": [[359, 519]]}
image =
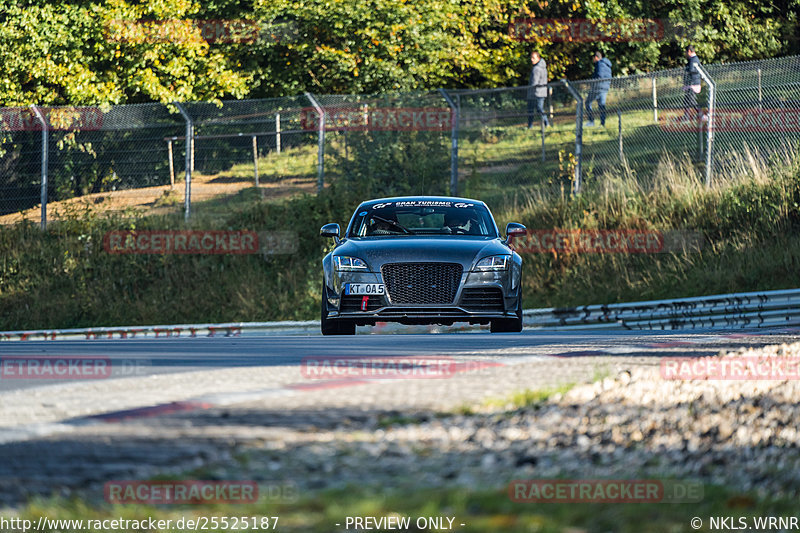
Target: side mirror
{"points": [[330, 230], [514, 229]]}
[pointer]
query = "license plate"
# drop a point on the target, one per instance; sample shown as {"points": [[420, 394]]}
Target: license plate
{"points": [[368, 289]]}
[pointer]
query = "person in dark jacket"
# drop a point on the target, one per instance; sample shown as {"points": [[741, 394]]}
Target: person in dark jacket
{"points": [[691, 84], [538, 90], [599, 91]]}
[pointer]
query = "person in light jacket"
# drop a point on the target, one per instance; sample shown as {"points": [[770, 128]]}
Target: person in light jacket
{"points": [[538, 90], [599, 91]]}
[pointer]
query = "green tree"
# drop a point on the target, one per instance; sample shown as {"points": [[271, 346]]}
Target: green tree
{"points": [[73, 52], [88, 52]]}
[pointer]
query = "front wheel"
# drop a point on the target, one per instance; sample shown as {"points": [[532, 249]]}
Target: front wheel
{"points": [[333, 327], [508, 325]]}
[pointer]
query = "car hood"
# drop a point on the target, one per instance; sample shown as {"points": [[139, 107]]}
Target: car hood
{"points": [[463, 250]]}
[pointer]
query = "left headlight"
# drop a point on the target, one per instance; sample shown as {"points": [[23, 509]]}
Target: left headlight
{"points": [[495, 262], [349, 263]]}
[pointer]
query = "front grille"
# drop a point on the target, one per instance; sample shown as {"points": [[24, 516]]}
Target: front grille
{"points": [[352, 303], [421, 283], [482, 300], [419, 312]]}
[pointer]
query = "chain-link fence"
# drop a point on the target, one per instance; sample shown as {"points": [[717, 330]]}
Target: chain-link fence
{"points": [[67, 156], [117, 150], [514, 137], [589, 127], [757, 110], [633, 122], [390, 144], [20, 161], [478, 143], [250, 143], [742, 110]]}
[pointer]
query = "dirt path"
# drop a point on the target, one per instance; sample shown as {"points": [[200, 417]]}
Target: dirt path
{"points": [[163, 199]]}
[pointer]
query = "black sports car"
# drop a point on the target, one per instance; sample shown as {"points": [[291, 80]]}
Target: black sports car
{"points": [[421, 260]]}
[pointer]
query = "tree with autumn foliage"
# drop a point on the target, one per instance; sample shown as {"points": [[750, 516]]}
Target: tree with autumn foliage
{"points": [[72, 51]]}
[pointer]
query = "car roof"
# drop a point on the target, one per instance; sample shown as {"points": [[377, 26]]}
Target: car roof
{"points": [[421, 199]]}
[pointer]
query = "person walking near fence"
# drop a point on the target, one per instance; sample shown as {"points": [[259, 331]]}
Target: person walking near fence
{"points": [[691, 85], [538, 92], [602, 71]]}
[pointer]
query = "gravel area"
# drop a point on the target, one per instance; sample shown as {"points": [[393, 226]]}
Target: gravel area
{"points": [[741, 434], [392, 434], [261, 411]]}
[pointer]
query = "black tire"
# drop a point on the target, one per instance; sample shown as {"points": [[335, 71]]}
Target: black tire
{"points": [[333, 327], [508, 325], [347, 327]]}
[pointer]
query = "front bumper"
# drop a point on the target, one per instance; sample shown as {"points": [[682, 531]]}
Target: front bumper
{"points": [[480, 298]]}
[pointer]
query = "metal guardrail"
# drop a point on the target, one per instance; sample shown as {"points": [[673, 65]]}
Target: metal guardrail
{"points": [[744, 310], [724, 311], [179, 330]]}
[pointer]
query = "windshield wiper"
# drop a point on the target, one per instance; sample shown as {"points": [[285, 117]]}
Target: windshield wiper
{"points": [[393, 223]]}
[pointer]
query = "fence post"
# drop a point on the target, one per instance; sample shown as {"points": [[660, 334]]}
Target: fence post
{"points": [[171, 164], [712, 98], [760, 103], [255, 159], [187, 202], [320, 142], [619, 134], [454, 121], [578, 135], [45, 152], [544, 158], [700, 143], [655, 101], [278, 132]]}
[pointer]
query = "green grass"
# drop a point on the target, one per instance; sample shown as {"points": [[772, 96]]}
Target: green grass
{"points": [[294, 162], [168, 198], [520, 399], [64, 275], [527, 398], [749, 220], [481, 510], [495, 156]]}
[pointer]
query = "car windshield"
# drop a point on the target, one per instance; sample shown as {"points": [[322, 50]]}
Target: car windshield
{"points": [[423, 217]]}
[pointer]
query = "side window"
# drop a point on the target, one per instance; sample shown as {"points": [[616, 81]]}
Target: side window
{"points": [[358, 227]]}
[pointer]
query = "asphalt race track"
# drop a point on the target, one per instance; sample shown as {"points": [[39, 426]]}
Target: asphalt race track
{"points": [[157, 356], [148, 385]]}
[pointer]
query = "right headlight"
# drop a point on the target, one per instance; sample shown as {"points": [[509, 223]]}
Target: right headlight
{"points": [[494, 262], [344, 263]]}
